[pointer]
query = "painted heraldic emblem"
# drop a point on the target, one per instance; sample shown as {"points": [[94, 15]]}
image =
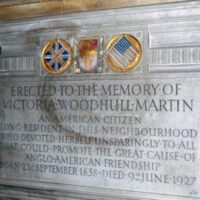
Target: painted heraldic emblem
{"points": [[56, 56], [123, 53], [88, 55]]}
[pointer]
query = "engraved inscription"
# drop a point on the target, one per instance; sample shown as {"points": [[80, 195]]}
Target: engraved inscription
{"points": [[124, 135]]}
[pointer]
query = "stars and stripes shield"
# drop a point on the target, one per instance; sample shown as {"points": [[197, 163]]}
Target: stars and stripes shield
{"points": [[56, 56], [123, 53]]}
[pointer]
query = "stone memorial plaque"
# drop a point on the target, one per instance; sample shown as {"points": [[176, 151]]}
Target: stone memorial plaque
{"points": [[105, 112]]}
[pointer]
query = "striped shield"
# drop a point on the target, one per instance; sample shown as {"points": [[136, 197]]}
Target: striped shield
{"points": [[122, 52]]}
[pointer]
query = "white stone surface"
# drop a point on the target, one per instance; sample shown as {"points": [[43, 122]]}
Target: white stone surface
{"points": [[87, 139]]}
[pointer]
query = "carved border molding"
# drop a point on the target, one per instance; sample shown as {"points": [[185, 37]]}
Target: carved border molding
{"points": [[36, 8]]}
